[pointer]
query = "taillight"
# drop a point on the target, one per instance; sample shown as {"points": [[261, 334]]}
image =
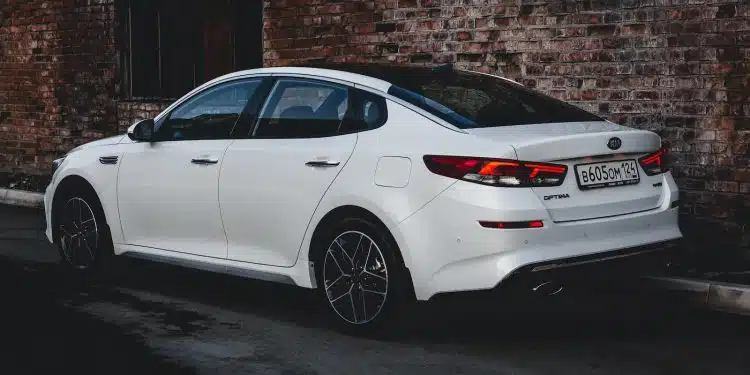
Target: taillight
{"points": [[656, 162], [497, 172]]}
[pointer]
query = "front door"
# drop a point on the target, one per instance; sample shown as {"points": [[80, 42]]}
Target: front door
{"points": [[168, 189], [272, 182]]}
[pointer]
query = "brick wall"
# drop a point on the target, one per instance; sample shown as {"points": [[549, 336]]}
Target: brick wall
{"points": [[57, 81], [129, 112], [678, 67]]}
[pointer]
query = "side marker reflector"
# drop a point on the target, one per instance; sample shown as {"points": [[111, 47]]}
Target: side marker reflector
{"points": [[512, 224]]}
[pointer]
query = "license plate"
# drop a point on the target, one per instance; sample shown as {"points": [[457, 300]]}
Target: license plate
{"points": [[607, 174]]}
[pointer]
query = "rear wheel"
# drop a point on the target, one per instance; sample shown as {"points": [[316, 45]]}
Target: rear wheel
{"points": [[81, 234], [362, 280]]}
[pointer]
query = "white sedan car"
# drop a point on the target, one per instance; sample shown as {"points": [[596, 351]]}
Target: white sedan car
{"points": [[377, 185]]}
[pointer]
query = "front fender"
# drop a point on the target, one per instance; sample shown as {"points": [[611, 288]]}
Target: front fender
{"points": [[102, 176]]}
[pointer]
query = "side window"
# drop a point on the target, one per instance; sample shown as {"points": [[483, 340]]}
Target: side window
{"points": [[369, 111], [210, 114], [300, 108], [373, 109]]}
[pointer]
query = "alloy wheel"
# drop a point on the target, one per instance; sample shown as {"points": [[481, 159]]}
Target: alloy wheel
{"points": [[355, 277], [79, 233]]}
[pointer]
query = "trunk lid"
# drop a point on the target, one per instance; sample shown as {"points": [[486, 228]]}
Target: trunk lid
{"points": [[586, 143]]}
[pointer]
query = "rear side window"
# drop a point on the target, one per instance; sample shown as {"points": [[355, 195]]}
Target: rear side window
{"points": [[369, 111], [471, 100], [298, 108]]}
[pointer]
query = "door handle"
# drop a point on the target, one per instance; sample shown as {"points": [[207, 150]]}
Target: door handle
{"points": [[204, 160], [322, 163]]}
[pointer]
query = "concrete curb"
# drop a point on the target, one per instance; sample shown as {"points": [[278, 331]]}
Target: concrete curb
{"points": [[733, 298], [716, 295], [21, 198]]}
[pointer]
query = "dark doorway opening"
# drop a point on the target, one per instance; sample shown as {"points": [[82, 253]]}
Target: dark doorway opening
{"points": [[168, 47]]}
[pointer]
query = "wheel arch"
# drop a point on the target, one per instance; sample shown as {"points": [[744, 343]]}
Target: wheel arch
{"points": [[339, 213], [69, 183]]}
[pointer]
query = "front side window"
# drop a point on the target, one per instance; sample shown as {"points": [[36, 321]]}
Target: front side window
{"points": [[210, 114], [299, 108], [471, 100]]}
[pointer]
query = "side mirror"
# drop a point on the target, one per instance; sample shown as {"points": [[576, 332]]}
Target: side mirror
{"points": [[141, 131]]}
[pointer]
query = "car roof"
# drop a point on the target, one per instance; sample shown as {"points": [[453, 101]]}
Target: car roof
{"points": [[378, 76], [354, 78], [400, 74]]}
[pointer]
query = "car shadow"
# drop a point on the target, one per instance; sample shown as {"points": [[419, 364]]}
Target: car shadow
{"points": [[601, 320], [587, 312]]}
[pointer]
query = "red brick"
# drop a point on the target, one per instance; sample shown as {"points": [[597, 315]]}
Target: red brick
{"points": [[633, 29], [646, 95], [723, 186], [463, 35]]}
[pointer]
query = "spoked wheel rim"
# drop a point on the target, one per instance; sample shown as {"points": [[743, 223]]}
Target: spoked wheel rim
{"points": [[79, 233], [355, 277]]}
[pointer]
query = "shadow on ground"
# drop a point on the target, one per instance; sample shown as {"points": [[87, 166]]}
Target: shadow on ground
{"points": [[39, 336], [615, 330], [625, 310]]}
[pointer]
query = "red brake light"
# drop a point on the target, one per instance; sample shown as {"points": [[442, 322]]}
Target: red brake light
{"points": [[512, 224], [536, 224], [497, 172], [656, 162]]}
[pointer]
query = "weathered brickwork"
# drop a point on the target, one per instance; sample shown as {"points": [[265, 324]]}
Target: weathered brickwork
{"points": [[679, 67], [128, 113], [57, 79]]}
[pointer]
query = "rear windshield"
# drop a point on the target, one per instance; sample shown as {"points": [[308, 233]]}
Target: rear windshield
{"points": [[472, 100]]}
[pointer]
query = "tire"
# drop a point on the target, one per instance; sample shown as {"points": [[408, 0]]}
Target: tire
{"points": [[83, 240], [352, 282]]}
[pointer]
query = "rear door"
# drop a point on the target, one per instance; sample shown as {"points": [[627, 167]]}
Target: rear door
{"points": [[272, 181], [604, 177]]}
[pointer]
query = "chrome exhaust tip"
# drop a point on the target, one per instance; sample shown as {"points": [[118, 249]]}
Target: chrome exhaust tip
{"points": [[548, 288]]}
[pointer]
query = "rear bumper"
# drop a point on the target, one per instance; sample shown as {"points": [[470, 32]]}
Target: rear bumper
{"points": [[446, 250], [636, 261], [606, 270]]}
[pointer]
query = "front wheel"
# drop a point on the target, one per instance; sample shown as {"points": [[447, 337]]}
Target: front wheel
{"points": [[362, 278], [82, 234]]}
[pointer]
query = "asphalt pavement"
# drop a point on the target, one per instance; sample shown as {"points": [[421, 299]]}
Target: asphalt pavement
{"points": [[166, 320]]}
